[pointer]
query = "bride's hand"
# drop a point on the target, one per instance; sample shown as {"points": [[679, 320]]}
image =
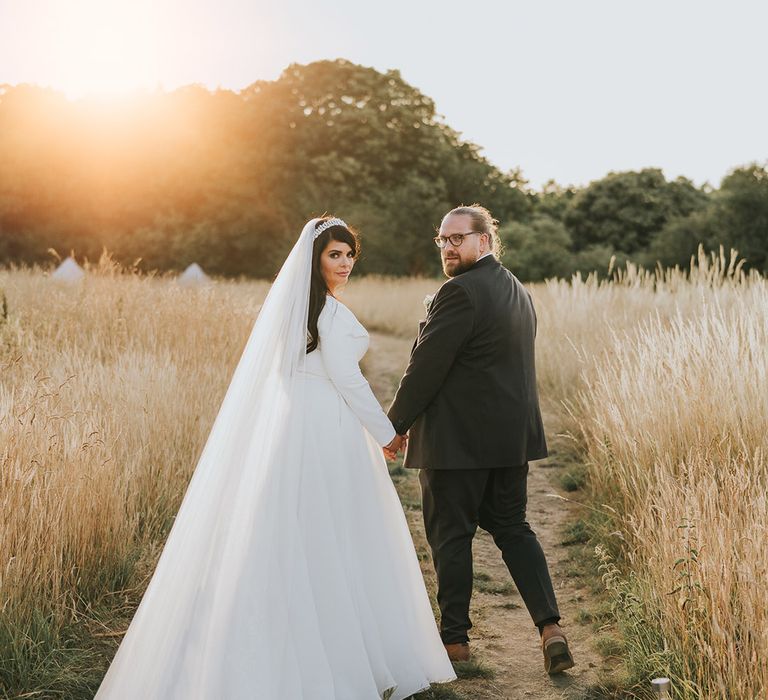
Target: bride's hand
{"points": [[398, 443]]}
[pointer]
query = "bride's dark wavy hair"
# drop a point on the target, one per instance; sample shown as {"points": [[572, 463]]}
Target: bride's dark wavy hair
{"points": [[317, 287]]}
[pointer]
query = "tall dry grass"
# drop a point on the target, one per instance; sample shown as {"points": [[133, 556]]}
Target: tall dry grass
{"points": [[665, 379], [108, 389], [388, 304]]}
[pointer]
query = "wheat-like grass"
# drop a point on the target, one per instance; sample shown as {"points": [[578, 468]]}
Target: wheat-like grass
{"points": [[108, 389], [674, 419], [390, 305], [665, 377]]}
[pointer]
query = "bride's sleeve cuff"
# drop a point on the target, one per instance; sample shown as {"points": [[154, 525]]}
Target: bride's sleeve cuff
{"points": [[388, 435]]}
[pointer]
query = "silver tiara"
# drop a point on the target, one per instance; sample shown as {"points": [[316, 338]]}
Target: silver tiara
{"points": [[328, 224]]}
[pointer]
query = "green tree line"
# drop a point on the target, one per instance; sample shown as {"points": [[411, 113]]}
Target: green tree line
{"points": [[639, 216], [228, 178]]}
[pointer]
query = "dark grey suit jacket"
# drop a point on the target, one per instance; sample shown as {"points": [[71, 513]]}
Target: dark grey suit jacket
{"points": [[469, 395]]}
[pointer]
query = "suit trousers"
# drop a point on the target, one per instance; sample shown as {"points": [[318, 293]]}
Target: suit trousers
{"points": [[454, 503]]}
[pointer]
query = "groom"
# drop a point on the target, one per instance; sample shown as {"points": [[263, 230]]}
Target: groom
{"points": [[468, 401]]}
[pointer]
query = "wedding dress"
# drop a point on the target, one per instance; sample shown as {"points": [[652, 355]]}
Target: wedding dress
{"points": [[289, 573]]}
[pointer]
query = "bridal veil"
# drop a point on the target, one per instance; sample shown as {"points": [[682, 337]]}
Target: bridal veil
{"points": [[243, 493]]}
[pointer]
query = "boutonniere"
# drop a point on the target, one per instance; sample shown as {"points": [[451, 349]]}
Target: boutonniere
{"points": [[428, 301]]}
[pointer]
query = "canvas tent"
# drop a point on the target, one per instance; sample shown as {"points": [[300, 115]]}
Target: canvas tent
{"points": [[194, 275], [68, 271]]}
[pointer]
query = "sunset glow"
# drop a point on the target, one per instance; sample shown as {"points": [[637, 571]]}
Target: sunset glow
{"points": [[586, 95], [104, 48]]}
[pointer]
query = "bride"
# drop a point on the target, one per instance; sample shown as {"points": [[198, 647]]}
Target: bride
{"points": [[289, 572]]}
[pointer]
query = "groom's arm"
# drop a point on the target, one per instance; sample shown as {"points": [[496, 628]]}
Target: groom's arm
{"points": [[448, 325]]}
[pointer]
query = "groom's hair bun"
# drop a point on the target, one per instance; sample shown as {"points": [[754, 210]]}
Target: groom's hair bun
{"points": [[482, 221]]}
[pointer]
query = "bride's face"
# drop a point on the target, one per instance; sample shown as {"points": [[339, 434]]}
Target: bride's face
{"points": [[336, 263]]}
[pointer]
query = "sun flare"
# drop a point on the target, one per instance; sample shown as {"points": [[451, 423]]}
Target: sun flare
{"points": [[104, 47]]}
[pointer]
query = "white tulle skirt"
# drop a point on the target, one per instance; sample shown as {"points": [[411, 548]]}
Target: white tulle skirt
{"points": [[322, 598], [375, 624]]}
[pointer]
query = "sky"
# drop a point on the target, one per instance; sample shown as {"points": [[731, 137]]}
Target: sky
{"points": [[564, 90]]}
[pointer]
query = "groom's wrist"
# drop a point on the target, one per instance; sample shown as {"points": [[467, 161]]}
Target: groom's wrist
{"points": [[400, 427]]}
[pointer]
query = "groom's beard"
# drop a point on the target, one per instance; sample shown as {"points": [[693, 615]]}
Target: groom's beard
{"points": [[457, 266]]}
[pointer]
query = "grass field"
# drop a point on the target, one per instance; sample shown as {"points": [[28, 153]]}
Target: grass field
{"points": [[108, 389]]}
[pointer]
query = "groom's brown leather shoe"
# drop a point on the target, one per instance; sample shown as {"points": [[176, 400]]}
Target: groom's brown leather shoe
{"points": [[557, 655], [458, 652]]}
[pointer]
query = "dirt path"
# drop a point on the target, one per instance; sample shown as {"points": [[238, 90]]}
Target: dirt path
{"points": [[504, 640]]}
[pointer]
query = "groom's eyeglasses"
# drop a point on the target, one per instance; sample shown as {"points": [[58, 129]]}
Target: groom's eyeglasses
{"points": [[456, 239]]}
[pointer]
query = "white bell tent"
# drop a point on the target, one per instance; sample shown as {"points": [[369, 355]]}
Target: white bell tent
{"points": [[194, 275], [68, 271]]}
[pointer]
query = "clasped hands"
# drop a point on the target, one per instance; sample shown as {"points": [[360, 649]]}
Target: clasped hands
{"points": [[399, 442]]}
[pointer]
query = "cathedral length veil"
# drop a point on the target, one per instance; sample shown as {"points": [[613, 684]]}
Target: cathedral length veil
{"points": [[203, 629]]}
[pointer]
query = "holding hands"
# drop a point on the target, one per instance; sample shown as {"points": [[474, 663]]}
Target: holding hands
{"points": [[399, 442]]}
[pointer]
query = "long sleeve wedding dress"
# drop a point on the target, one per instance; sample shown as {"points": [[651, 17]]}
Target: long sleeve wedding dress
{"points": [[290, 573]]}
